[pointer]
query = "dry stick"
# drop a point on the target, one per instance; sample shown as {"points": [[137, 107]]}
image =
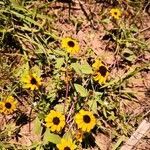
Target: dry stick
{"points": [[147, 28], [69, 11], [137, 135], [88, 17], [69, 114], [30, 120], [67, 89]]}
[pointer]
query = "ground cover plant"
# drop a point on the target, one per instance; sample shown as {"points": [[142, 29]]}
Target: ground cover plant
{"points": [[74, 74]]}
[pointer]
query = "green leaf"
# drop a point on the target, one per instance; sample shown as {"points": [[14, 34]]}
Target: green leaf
{"points": [[67, 135], [104, 112], [128, 55], [133, 28], [59, 107], [36, 70], [25, 18], [106, 21], [112, 116], [76, 67], [21, 70], [120, 140], [39, 148], [93, 105], [37, 126], [51, 137], [81, 90], [60, 52], [79, 69], [59, 62], [14, 2], [86, 69]]}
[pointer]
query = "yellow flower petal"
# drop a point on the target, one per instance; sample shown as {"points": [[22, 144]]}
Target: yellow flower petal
{"points": [[96, 64], [31, 81], [116, 13], [55, 121], [66, 143], [8, 105], [85, 120], [70, 45], [100, 72]]}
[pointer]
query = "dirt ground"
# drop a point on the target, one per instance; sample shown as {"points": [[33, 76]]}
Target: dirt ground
{"points": [[91, 34]]}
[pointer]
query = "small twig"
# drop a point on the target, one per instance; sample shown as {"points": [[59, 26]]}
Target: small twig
{"points": [[88, 17], [67, 89], [147, 28], [30, 120], [69, 9], [69, 114], [71, 125], [66, 96], [84, 11]]}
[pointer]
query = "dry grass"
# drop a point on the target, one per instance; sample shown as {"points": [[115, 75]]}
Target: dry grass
{"points": [[30, 38]]}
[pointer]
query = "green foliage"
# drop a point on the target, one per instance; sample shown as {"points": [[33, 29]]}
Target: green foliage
{"points": [[37, 126], [81, 90], [30, 40], [51, 137], [86, 69]]}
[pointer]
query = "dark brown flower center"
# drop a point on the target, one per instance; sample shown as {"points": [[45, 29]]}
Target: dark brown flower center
{"points": [[115, 13], [86, 119], [8, 105], [67, 148], [71, 43], [102, 70], [56, 120], [33, 81]]}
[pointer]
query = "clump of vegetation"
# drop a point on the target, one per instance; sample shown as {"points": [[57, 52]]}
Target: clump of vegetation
{"points": [[54, 80]]}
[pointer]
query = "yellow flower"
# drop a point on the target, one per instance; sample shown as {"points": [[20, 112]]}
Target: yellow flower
{"points": [[8, 105], [70, 45], [116, 13], [31, 81], [79, 135], [2, 107], [55, 121], [85, 120], [66, 144], [100, 72]]}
